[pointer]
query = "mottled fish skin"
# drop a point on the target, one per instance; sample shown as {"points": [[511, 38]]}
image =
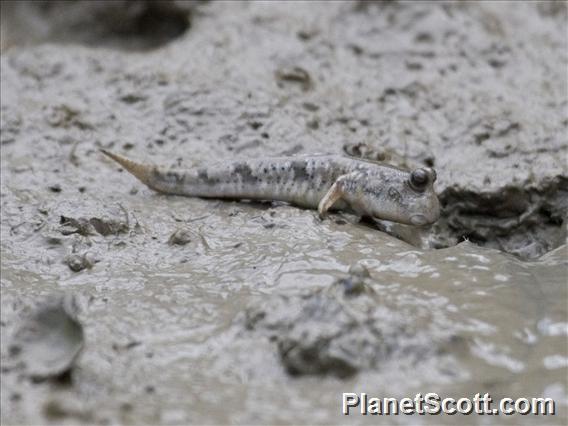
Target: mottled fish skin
{"points": [[367, 188]]}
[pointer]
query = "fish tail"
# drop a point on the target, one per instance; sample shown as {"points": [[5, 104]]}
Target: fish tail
{"points": [[142, 172]]}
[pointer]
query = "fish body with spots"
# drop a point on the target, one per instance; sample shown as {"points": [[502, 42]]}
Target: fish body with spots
{"points": [[324, 182]]}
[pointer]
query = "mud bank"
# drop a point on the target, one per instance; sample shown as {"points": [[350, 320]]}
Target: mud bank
{"points": [[204, 311]]}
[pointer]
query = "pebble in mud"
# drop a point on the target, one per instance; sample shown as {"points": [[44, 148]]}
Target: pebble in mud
{"points": [[78, 262], [355, 283], [296, 75], [55, 188], [180, 237]]}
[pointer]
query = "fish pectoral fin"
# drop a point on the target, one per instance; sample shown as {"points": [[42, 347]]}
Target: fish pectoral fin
{"points": [[338, 192], [334, 194]]}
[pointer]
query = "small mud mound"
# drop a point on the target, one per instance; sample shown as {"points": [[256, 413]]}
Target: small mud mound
{"points": [[47, 343], [126, 25], [344, 329], [524, 222]]}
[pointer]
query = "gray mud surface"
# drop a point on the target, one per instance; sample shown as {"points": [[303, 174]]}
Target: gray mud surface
{"points": [[214, 312]]}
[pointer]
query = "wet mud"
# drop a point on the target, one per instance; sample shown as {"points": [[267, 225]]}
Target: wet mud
{"points": [[131, 26], [46, 343], [193, 311], [526, 222]]}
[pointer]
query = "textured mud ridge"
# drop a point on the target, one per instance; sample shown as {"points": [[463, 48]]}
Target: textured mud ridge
{"points": [[527, 222]]}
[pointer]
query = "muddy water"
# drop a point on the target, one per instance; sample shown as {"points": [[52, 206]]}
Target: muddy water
{"points": [[193, 310]]}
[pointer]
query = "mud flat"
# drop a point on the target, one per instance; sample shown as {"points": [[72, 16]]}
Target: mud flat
{"points": [[196, 311]]}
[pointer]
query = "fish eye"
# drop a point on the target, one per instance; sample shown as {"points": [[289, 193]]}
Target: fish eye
{"points": [[419, 179]]}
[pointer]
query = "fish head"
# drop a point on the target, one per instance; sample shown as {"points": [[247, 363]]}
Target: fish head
{"points": [[405, 197]]}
